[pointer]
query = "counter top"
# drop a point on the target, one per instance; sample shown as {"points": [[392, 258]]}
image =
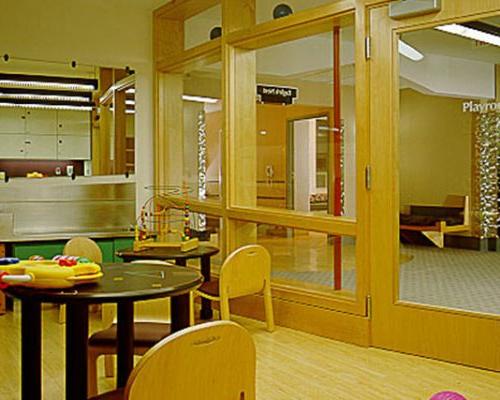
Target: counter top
{"points": [[42, 237]]}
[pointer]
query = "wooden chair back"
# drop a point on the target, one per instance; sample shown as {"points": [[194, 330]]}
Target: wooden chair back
{"points": [[459, 201], [83, 247], [212, 361], [245, 271]]}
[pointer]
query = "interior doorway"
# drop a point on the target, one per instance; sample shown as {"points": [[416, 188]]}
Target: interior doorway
{"points": [[308, 161]]}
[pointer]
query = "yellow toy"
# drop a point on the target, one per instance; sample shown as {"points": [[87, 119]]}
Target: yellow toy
{"points": [[48, 274]]}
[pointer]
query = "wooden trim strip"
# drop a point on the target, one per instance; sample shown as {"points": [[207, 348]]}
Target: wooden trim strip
{"points": [[296, 26], [293, 219], [204, 54], [200, 206]]}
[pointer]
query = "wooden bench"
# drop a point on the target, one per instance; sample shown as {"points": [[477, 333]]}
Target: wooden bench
{"points": [[454, 207]]}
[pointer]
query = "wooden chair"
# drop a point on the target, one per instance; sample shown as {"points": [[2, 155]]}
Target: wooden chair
{"points": [[211, 361], [80, 247], [245, 271], [151, 324]]}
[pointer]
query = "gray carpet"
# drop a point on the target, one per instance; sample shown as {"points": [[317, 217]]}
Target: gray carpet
{"points": [[461, 279], [455, 278]]}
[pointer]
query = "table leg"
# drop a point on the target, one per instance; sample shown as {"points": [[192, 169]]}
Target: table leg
{"points": [[77, 332], [31, 350], [125, 341], [181, 262], [2, 303], [9, 303], [206, 305], [180, 312]]}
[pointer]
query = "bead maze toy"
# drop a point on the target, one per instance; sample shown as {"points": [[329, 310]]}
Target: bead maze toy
{"points": [[164, 223], [59, 273]]}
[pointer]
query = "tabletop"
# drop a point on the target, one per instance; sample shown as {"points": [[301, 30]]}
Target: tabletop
{"points": [[121, 281], [164, 253]]}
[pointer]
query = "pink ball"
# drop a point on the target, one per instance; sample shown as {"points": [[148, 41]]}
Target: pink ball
{"points": [[447, 396]]}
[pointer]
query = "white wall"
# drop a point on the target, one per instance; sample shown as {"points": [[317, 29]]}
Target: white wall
{"points": [[110, 33], [304, 158]]}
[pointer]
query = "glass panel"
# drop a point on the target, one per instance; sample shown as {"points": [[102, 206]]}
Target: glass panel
{"points": [[305, 153], [268, 10], [306, 259], [449, 135], [208, 229], [59, 130], [202, 132], [202, 27]]}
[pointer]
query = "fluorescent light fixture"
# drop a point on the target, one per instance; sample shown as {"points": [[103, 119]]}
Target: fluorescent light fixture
{"points": [[130, 102], [131, 90], [409, 52], [199, 99], [47, 82], [470, 33], [47, 97], [45, 85], [47, 106]]}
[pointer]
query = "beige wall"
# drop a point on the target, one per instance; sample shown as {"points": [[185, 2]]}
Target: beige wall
{"points": [[435, 148]]}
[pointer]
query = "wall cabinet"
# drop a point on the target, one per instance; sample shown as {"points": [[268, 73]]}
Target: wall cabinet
{"points": [[12, 120], [44, 134], [73, 123], [33, 147], [73, 148]]}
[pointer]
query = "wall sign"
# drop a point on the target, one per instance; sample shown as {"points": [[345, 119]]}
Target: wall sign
{"points": [[276, 94]]}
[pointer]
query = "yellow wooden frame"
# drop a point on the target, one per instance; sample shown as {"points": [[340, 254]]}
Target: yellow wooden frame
{"points": [[240, 36], [396, 324]]}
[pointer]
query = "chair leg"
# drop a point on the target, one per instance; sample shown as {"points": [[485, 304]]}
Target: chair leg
{"points": [[191, 308], [109, 366], [224, 308], [268, 305], [62, 313], [92, 373]]}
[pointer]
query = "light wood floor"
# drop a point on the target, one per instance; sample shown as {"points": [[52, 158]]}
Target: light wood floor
{"points": [[291, 366]]}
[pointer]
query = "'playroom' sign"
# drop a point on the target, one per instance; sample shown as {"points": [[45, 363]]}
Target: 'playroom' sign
{"points": [[470, 106]]}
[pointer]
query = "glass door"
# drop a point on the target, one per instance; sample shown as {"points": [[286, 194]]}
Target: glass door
{"points": [[435, 129]]}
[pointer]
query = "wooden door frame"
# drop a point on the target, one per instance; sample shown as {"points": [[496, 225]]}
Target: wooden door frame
{"points": [[446, 334]]}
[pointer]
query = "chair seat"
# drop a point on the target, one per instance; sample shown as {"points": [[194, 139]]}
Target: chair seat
{"points": [[211, 288], [146, 334], [117, 394]]}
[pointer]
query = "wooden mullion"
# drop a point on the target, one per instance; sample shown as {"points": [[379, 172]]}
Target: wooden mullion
{"points": [[195, 57], [331, 225], [296, 26]]}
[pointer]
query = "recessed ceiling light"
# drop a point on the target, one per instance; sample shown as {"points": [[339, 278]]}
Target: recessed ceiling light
{"points": [[409, 52], [199, 99], [470, 33]]}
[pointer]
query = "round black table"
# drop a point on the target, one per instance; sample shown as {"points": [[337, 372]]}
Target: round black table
{"points": [[169, 253], [122, 284]]}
